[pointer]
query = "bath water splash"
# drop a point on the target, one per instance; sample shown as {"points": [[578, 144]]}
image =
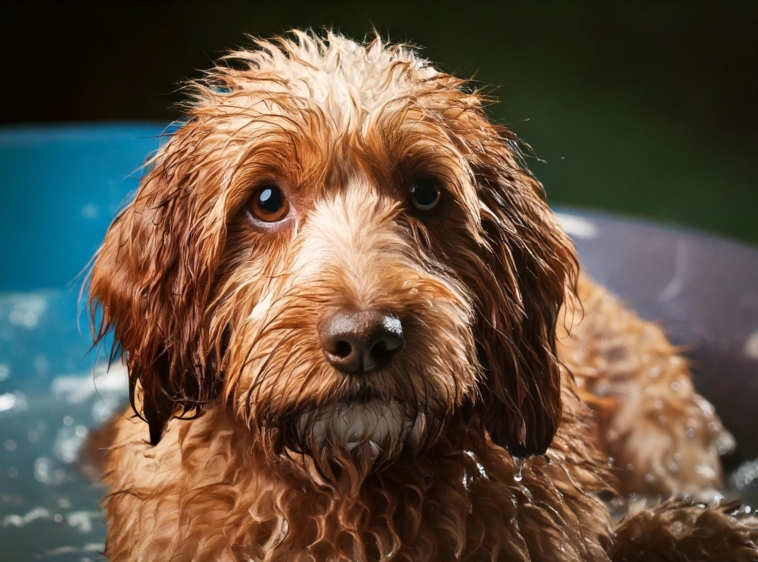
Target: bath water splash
{"points": [[745, 481], [51, 398], [42, 335], [47, 507]]}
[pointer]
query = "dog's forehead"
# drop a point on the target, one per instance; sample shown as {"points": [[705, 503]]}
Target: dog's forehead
{"points": [[349, 82], [322, 111], [344, 80], [333, 89]]}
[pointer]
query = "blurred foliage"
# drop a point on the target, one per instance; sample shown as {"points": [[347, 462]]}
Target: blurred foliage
{"points": [[645, 108]]}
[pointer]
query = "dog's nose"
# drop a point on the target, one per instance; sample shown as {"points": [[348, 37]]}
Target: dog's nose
{"points": [[360, 341]]}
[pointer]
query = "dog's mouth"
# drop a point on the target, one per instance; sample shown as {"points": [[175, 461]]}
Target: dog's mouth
{"points": [[340, 443], [363, 395], [361, 429], [362, 425], [361, 420]]}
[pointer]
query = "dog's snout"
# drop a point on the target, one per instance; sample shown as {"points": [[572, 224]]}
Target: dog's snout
{"points": [[360, 341]]}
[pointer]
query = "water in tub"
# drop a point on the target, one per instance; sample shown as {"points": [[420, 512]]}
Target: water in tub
{"points": [[52, 394]]}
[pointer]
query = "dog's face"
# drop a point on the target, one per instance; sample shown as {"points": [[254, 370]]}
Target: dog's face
{"points": [[339, 246]]}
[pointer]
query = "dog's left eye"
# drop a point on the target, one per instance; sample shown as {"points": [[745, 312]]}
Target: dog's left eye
{"points": [[425, 194], [269, 204]]}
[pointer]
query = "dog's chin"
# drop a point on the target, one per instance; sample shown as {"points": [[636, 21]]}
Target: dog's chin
{"points": [[369, 433]]}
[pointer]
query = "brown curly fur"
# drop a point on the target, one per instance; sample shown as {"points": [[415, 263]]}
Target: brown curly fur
{"points": [[663, 437], [216, 315], [685, 533]]}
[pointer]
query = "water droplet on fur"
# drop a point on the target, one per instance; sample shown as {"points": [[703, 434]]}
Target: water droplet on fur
{"points": [[690, 432], [654, 372], [519, 466], [725, 443], [705, 471], [649, 478], [746, 475]]}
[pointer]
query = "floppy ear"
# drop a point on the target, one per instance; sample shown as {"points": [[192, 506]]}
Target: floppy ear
{"points": [[152, 280], [526, 266]]}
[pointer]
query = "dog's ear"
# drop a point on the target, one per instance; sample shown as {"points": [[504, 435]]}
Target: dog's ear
{"points": [[526, 266], [151, 283]]}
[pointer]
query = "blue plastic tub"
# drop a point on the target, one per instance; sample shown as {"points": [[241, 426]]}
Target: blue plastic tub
{"points": [[59, 189]]}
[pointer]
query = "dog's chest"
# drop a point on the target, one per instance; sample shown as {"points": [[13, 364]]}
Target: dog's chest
{"points": [[217, 497]]}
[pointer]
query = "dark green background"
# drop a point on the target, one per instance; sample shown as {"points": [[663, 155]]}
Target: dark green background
{"points": [[643, 108]]}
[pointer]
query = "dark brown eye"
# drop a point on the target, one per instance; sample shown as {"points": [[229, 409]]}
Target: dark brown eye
{"points": [[425, 194], [269, 204]]}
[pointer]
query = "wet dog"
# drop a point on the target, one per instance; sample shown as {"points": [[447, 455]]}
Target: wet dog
{"points": [[340, 274]]}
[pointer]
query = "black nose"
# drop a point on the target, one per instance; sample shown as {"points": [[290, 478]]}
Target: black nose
{"points": [[360, 341]]}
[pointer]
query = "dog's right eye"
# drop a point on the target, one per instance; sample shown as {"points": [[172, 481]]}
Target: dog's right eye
{"points": [[425, 194], [269, 204]]}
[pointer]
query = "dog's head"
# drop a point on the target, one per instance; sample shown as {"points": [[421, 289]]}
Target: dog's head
{"points": [[342, 248]]}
